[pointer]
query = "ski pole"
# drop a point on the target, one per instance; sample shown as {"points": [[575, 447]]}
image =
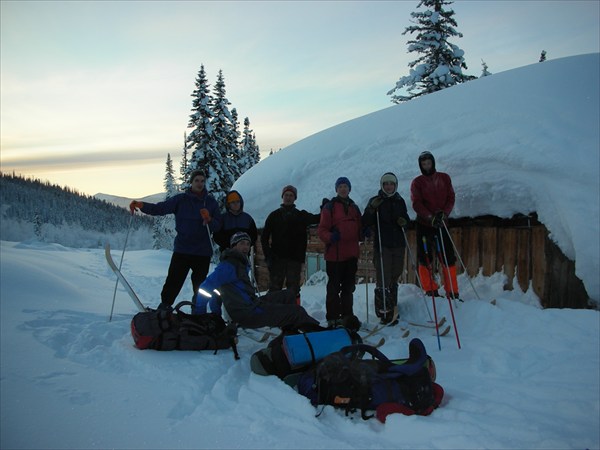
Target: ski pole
{"points": [[430, 269], [461, 261], [412, 261], [367, 287], [120, 264], [381, 265], [451, 287]]}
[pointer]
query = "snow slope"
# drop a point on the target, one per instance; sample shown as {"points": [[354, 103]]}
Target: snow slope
{"points": [[516, 142], [524, 378]]}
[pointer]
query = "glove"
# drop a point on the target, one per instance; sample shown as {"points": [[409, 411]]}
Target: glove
{"points": [[401, 221], [135, 204], [335, 236], [376, 202], [205, 216], [438, 219]]}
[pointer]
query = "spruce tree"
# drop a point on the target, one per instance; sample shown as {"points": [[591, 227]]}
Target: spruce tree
{"points": [[201, 140], [163, 232], [237, 150], [543, 56], [220, 174], [484, 72], [250, 151], [183, 166], [441, 62]]}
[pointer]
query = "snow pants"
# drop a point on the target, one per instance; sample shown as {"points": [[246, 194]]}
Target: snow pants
{"points": [[179, 268], [284, 270], [340, 287], [279, 309]]}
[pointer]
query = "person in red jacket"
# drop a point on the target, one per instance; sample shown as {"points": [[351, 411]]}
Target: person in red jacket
{"points": [[340, 230], [432, 197]]}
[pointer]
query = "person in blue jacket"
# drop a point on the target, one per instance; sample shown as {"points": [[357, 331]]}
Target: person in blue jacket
{"points": [[196, 216], [230, 285]]}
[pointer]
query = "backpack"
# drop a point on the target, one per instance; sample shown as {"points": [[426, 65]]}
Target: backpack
{"points": [[176, 330], [347, 381], [292, 353]]}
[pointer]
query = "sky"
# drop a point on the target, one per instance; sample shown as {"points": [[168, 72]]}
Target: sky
{"points": [[524, 377], [94, 95]]}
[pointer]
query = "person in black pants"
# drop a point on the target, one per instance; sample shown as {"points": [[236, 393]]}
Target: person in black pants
{"points": [[196, 216]]}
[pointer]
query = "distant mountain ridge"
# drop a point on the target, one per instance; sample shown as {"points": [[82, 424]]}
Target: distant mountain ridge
{"points": [[124, 202]]}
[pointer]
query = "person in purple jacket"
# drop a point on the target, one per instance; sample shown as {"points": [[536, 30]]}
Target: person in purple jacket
{"points": [[196, 216]]}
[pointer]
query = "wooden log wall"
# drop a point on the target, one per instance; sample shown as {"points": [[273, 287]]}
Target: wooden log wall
{"points": [[519, 247]]}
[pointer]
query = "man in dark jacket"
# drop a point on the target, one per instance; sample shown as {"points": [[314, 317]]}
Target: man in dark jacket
{"points": [[283, 242], [230, 284], [196, 216], [386, 213], [432, 198], [235, 219]]}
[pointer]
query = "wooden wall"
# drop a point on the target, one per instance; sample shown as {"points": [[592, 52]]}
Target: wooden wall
{"points": [[519, 247]]}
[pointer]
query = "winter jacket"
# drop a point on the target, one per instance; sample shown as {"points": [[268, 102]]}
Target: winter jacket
{"points": [[284, 234], [192, 236], [390, 210], [232, 223], [231, 278], [431, 194], [344, 216]]}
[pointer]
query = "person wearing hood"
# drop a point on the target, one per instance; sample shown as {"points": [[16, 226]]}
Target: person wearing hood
{"points": [[284, 240], [235, 219], [386, 215], [196, 216], [230, 285], [432, 197]]}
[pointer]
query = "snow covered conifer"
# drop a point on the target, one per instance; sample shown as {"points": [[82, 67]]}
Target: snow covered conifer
{"points": [[543, 56], [163, 232], [250, 151], [441, 62], [484, 72], [184, 161], [200, 140]]}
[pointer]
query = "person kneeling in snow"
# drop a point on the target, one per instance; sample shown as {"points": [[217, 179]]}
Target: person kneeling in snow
{"points": [[230, 284]]}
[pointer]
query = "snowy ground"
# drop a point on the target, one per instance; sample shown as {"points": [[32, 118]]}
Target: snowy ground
{"points": [[524, 378]]}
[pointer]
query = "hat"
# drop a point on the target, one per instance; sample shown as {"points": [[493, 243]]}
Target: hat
{"points": [[343, 180], [195, 173], [239, 236], [233, 196], [389, 177], [290, 188]]}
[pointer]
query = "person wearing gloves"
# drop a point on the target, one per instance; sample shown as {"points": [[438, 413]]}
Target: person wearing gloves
{"points": [[284, 241], [386, 215], [230, 285], [196, 216], [340, 230], [432, 197]]}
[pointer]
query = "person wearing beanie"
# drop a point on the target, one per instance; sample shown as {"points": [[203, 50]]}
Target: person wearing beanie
{"points": [[385, 216], [284, 240], [196, 216], [230, 285], [340, 230], [432, 197], [235, 219]]}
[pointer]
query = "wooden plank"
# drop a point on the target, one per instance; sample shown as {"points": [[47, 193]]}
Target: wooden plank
{"points": [[523, 258], [509, 256], [538, 261], [489, 241]]}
